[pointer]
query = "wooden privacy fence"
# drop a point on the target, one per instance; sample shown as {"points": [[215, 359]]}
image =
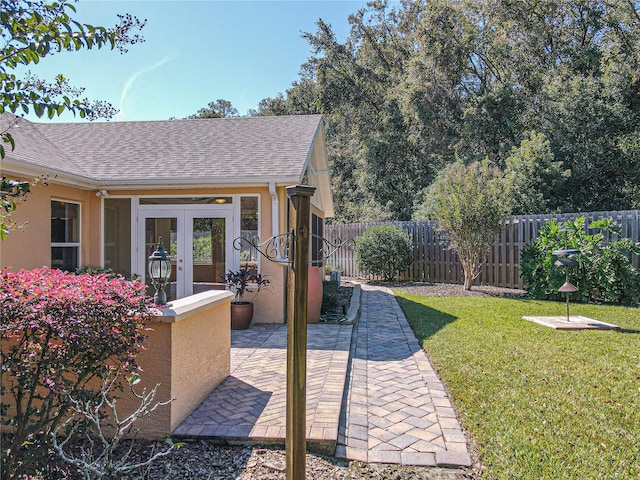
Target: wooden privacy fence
{"points": [[434, 262]]}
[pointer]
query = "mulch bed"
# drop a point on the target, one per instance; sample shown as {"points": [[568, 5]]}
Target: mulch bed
{"points": [[453, 290]]}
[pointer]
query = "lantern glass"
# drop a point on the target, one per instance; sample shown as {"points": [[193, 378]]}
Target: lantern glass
{"points": [[160, 269]]}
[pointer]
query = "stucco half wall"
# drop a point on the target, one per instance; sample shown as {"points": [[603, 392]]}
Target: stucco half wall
{"points": [[188, 354]]}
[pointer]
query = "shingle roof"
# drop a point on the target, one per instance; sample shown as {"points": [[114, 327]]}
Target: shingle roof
{"points": [[248, 148], [32, 146]]}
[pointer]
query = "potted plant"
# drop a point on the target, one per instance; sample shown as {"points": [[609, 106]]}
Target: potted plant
{"points": [[239, 282]]}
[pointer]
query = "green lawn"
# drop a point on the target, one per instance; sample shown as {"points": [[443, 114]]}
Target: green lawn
{"points": [[540, 403]]}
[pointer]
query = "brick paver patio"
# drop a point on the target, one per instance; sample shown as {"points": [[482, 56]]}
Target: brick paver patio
{"points": [[373, 397], [250, 405]]}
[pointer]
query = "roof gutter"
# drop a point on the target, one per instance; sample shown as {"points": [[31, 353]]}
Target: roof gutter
{"points": [[154, 183]]}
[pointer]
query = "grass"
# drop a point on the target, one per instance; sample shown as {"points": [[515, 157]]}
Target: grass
{"points": [[541, 404]]}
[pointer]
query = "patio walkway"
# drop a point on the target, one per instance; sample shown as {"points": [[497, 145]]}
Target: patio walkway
{"points": [[373, 398], [395, 409]]}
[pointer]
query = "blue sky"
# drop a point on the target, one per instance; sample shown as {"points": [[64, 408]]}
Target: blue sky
{"points": [[196, 52]]}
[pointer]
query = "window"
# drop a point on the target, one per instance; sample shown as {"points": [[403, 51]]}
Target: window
{"points": [[117, 235], [249, 230], [317, 232], [65, 235]]}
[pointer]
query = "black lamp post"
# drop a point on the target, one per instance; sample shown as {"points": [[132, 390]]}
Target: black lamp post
{"points": [[159, 265]]}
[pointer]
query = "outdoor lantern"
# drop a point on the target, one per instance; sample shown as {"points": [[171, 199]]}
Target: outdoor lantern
{"points": [[159, 270]]}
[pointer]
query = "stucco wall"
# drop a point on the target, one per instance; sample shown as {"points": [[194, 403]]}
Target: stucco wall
{"points": [[188, 353], [201, 359], [30, 247]]}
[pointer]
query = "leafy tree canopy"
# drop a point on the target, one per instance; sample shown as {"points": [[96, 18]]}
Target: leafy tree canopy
{"points": [[33, 30], [417, 84], [30, 31], [218, 109], [469, 201]]}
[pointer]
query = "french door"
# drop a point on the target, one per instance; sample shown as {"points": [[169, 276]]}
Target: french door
{"points": [[199, 241]]}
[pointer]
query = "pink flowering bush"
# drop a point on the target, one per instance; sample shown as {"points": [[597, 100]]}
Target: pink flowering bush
{"points": [[60, 332]]}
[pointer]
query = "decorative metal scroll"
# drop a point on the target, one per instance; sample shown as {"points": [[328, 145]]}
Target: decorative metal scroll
{"points": [[329, 248], [277, 248]]}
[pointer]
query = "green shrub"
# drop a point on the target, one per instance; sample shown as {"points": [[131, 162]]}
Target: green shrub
{"points": [[469, 202], [604, 272], [60, 332], [384, 251]]}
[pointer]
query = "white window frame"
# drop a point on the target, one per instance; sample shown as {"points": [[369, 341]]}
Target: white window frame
{"points": [[238, 214], [137, 208], [77, 244]]}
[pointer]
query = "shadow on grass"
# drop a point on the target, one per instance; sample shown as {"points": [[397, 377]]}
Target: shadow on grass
{"points": [[431, 320], [627, 331]]}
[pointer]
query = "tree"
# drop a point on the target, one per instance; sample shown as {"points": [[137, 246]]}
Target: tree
{"points": [[392, 168], [469, 202], [536, 178], [33, 30], [416, 85], [218, 109], [300, 99], [366, 133], [30, 31], [587, 119], [10, 191]]}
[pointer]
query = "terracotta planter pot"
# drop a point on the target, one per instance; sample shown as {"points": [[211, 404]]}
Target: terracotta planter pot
{"points": [[241, 315], [314, 300]]}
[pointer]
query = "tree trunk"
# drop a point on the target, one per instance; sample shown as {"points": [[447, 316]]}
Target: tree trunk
{"points": [[469, 277], [468, 280]]}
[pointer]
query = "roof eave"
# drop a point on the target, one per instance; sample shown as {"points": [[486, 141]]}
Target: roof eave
{"points": [[25, 169], [213, 182]]}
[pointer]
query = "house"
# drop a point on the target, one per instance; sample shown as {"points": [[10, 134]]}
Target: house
{"points": [[115, 188]]}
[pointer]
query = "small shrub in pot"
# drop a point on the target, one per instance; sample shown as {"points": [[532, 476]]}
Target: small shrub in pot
{"points": [[240, 280]]}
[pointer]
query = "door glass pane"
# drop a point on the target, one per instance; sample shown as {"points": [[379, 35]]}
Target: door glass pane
{"points": [[209, 251], [167, 228]]}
